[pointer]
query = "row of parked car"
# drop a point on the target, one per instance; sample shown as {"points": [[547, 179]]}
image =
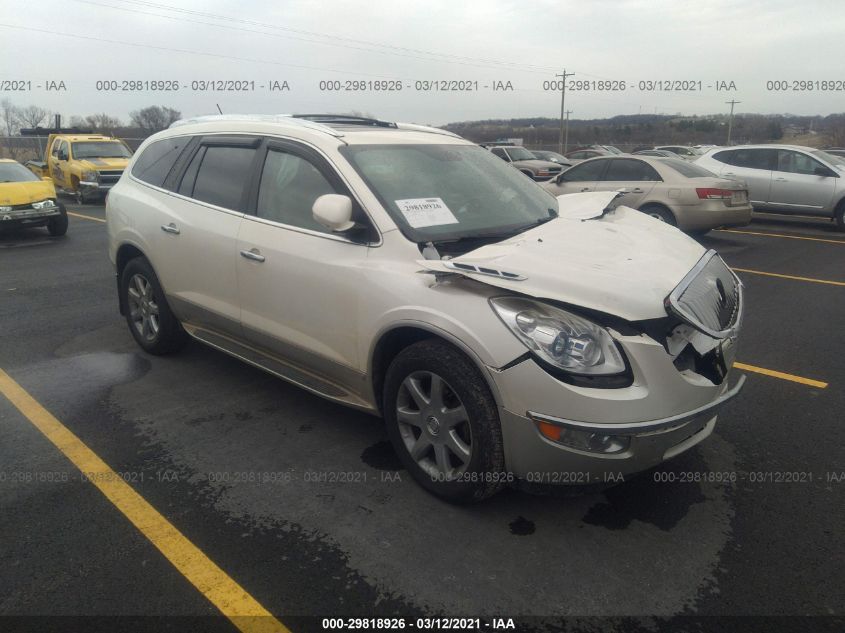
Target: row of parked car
{"points": [[696, 188]]}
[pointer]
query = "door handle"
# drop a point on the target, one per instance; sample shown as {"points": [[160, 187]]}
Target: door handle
{"points": [[170, 228], [585, 189], [729, 173], [253, 254], [781, 180], [637, 190]]}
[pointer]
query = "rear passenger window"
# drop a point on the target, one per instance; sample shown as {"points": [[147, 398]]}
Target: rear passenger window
{"points": [[585, 172], [156, 161], [626, 169], [289, 186], [221, 175]]}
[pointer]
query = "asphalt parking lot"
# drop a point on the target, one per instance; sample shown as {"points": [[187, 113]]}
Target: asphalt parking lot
{"points": [[245, 467]]}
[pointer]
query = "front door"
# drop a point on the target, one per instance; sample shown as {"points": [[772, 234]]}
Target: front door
{"points": [[299, 283]]}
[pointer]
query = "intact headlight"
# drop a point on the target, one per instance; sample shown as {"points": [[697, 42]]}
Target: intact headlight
{"points": [[44, 204], [560, 338], [5, 209], [90, 176]]}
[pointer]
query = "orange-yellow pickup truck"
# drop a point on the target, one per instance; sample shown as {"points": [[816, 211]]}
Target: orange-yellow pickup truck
{"points": [[85, 166]]}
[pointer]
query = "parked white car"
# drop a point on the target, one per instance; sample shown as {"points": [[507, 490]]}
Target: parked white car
{"points": [[785, 178], [505, 336]]}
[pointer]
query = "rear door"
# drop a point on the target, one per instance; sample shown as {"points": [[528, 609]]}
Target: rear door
{"points": [[581, 177], [634, 175], [801, 183], [753, 166], [195, 250]]}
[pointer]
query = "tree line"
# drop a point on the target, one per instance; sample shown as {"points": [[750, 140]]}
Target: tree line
{"points": [[628, 131]]}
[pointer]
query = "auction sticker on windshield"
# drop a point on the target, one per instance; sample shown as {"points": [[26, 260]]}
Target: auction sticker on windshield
{"points": [[423, 212]]}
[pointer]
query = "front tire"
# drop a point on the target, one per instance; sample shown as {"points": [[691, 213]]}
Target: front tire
{"points": [[443, 422], [57, 226], [840, 216], [152, 324]]}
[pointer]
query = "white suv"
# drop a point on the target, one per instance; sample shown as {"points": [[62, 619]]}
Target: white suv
{"points": [[504, 335]]}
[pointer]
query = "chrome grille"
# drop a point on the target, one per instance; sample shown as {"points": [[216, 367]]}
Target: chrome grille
{"points": [[709, 298], [110, 176]]}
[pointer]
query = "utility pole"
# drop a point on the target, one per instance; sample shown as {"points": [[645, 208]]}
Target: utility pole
{"points": [[566, 132], [562, 106], [732, 103]]}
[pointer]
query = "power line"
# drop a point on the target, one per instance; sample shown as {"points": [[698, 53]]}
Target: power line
{"points": [[190, 52], [333, 40]]}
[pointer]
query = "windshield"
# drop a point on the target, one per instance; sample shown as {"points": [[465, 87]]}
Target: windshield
{"points": [[687, 169], [449, 192], [100, 149], [520, 153], [833, 159], [15, 172]]}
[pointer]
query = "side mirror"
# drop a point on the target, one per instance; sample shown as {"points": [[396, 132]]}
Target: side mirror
{"points": [[334, 212]]}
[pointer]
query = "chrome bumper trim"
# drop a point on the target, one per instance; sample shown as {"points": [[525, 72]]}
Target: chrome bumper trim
{"points": [[648, 427]]}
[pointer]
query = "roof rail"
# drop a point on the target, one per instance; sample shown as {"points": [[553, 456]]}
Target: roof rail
{"points": [[284, 119], [426, 128], [344, 119]]}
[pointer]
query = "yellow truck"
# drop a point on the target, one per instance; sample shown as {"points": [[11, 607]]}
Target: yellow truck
{"points": [[84, 166], [28, 201]]}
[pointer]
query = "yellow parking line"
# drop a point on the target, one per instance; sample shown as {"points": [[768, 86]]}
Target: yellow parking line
{"points": [[85, 217], [781, 375], [817, 281], [222, 591], [791, 237]]}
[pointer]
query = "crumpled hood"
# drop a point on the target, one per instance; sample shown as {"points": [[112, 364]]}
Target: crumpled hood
{"points": [[13, 193], [625, 263], [104, 163]]}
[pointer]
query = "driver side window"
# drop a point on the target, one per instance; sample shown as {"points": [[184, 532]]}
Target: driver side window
{"points": [[797, 163], [289, 186]]}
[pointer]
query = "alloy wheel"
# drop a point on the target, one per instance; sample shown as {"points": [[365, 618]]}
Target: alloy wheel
{"points": [[143, 309], [434, 425]]}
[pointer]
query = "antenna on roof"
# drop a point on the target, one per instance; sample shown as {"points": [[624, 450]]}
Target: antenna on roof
{"points": [[218, 108]]}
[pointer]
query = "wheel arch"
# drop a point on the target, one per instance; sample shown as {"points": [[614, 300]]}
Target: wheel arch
{"points": [[125, 253], [391, 341], [659, 205]]}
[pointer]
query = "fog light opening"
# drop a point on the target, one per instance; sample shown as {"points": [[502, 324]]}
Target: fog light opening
{"points": [[590, 441]]}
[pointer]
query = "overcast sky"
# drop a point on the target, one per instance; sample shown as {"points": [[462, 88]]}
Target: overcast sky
{"points": [[523, 42]]}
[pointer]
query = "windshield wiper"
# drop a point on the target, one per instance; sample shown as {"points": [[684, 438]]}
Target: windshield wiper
{"points": [[506, 233]]}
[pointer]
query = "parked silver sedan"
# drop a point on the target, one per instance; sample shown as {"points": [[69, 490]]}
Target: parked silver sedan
{"points": [[785, 178], [668, 189]]}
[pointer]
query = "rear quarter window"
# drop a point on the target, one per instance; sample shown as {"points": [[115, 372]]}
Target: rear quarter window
{"points": [[156, 161]]}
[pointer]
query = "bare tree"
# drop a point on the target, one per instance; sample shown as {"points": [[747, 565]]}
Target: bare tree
{"points": [[154, 118], [102, 121], [11, 122], [33, 116]]}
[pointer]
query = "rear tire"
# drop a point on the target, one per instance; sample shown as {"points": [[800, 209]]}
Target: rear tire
{"points": [[152, 324], [443, 422], [57, 226], [660, 213]]}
